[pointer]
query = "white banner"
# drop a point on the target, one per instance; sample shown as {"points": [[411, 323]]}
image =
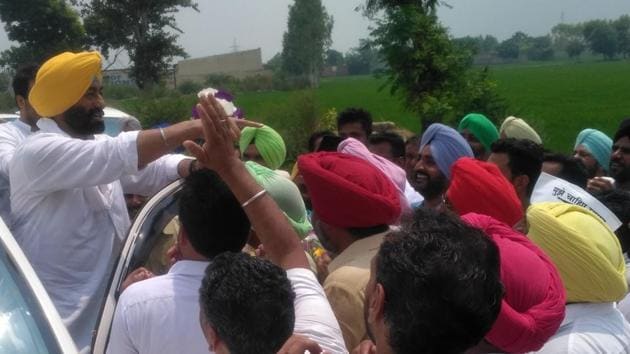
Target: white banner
{"points": [[553, 189]]}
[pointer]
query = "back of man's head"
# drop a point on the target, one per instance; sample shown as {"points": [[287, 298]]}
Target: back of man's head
{"points": [[248, 302], [356, 115], [525, 158], [212, 218], [442, 284], [618, 201], [571, 170], [395, 142], [23, 78]]}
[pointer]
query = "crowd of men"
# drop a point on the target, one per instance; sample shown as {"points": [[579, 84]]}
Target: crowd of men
{"points": [[369, 243]]}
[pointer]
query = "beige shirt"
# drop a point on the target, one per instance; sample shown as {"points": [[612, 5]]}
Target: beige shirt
{"points": [[345, 286]]}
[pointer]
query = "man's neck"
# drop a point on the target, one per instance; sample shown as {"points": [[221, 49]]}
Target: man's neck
{"points": [[434, 202], [32, 124]]}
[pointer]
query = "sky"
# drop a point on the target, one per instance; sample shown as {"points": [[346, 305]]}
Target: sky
{"points": [[249, 24]]}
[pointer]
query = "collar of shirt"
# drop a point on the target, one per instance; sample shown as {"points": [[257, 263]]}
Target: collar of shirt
{"points": [[22, 126], [185, 267], [47, 125], [357, 249], [579, 310]]}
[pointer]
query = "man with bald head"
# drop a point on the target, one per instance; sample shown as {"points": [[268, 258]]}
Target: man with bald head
{"points": [[68, 183]]}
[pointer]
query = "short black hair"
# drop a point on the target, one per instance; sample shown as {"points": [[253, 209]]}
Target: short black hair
{"points": [[623, 131], [573, 170], [526, 158], [356, 115], [22, 79], [317, 135], [249, 303], [394, 140], [618, 201], [442, 284], [211, 216]]}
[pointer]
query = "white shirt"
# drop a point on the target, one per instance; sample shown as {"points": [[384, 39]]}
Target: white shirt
{"points": [[70, 217], [161, 314], [413, 197], [11, 135], [590, 329]]}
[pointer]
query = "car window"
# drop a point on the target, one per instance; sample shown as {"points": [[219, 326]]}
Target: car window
{"points": [[23, 328]]}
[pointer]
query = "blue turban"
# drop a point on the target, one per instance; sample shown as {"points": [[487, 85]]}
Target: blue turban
{"points": [[447, 146], [598, 144]]}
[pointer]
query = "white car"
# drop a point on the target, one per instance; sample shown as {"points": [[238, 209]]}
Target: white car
{"points": [[29, 322], [116, 121]]}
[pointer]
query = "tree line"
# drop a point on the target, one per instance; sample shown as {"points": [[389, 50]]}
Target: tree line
{"points": [[608, 38]]}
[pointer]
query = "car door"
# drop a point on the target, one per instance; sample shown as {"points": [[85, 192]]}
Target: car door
{"points": [[145, 236], [29, 322]]}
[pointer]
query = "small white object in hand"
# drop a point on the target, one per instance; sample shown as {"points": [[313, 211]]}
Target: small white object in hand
{"points": [[228, 106]]}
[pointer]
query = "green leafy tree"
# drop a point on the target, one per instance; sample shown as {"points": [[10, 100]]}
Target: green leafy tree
{"points": [[42, 28], [364, 59], [434, 75], [146, 30], [306, 40], [275, 63], [334, 58], [540, 48], [622, 27], [564, 33], [575, 48], [602, 38], [508, 49]]}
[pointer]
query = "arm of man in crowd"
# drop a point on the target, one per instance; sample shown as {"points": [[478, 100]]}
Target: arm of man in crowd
{"points": [[154, 143], [220, 132]]}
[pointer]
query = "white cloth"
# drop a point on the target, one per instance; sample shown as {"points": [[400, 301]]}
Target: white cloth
{"points": [[314, 317], [624, 304], [69, 213], [414, 198], [590, 329], [161, 314], [12, 134]]}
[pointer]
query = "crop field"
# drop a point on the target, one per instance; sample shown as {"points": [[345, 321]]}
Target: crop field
{"points": [[558, 99]]}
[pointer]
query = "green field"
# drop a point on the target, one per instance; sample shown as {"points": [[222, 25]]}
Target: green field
{"points": [[557, 99]]}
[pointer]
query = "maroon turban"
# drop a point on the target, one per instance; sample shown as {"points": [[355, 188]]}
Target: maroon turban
{"points": [[533, 306], [349, 192], [479, 187]]}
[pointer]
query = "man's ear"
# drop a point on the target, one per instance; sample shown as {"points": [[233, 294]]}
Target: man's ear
{"points": [[377, 304], [520, 184], [21, 102]]}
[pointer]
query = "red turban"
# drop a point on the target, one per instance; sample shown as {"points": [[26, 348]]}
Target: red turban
{"points": [[479, 187], [533, 306], [349, 192]]}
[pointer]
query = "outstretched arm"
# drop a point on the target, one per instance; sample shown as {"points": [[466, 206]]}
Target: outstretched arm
{"points": [[220, 132]]}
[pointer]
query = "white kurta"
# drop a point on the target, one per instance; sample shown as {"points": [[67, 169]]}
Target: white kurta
{"points": [[590, 329], [70, 217], [12, 134], [161, 314]]}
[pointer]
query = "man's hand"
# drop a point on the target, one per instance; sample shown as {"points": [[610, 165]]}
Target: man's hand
{"points": [[600, 184], [220, 133], [298, 344], [137, 275], [365, 347]]}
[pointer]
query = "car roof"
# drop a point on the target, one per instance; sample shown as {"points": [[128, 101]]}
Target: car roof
{"points": [[111, 112]]}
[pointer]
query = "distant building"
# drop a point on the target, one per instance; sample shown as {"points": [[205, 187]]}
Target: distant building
{"points": [[117, 77], [238, 64]]}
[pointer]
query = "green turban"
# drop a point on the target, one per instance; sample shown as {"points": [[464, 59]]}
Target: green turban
{"points": [[285, 193], [481, 127], [268, 143]]}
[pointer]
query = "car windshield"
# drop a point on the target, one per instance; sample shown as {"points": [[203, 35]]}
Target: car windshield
{"points": [[23, 328]]}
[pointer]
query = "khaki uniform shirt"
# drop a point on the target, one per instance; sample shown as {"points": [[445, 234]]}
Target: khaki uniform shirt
{"points": [[345, 287]]}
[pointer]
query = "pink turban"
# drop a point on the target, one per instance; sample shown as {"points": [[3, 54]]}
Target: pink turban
{"points": [[396, 174], [533, 306]]}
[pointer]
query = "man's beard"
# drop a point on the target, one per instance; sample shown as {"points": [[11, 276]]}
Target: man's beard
{"points": [[619, 172], [85, 122], [429, 187]]}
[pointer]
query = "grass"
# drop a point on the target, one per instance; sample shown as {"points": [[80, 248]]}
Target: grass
{"points": [[557, 99]]}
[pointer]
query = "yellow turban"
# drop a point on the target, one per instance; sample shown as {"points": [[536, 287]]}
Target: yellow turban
{"points": [[517, 128], [62, 81], [585, 250]]}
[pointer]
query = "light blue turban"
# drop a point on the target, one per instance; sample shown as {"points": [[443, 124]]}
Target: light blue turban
{"points": [[447, 146], [598, 144]]}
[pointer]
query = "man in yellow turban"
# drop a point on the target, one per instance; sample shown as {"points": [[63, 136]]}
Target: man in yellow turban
{"points": [[588, 256], [68, 184], [264, 146], [517, 128]]}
